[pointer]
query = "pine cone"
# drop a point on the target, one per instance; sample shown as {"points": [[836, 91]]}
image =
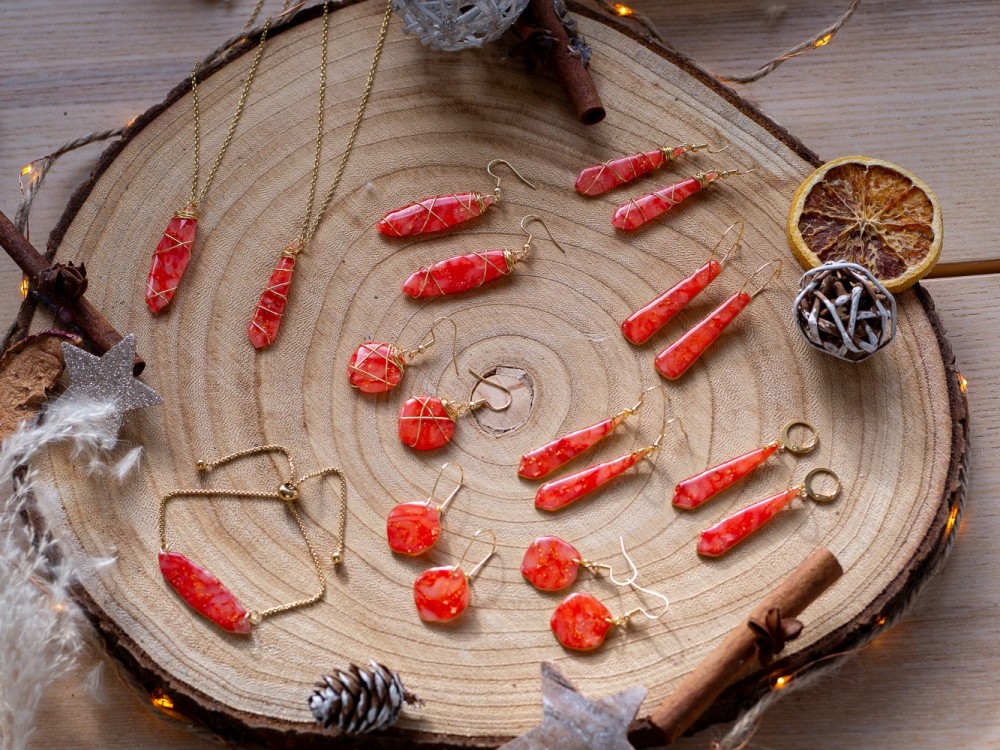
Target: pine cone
{"points": [[360, 700]]}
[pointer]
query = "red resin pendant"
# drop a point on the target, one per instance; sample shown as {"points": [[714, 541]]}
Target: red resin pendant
{"points": [[638, 211], [674, 361], [581, 622], [434, 214], [550, 564], [413, 528], [601, 178], [703, 487], [543, 461], [425, 424], [266, 320], [719, 539], [441, 594], [170, 259], [375, 367], [559, 493], [459, 274], [642, 324], [204, 592]]}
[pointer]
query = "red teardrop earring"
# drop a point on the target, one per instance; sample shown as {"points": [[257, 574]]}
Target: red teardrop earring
{"points": [[443, 211], [428, 422], [613, 173], [640, 326], [675, 360], [413, 528], [442, 594], [378, 367], [638, 211], [719, 538]]}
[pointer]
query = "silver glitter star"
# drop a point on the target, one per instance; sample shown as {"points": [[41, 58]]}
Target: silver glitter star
{"points": [[107, 378]]}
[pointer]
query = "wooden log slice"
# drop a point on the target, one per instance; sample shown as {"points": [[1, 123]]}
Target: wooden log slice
{"points": [[893, 427]]}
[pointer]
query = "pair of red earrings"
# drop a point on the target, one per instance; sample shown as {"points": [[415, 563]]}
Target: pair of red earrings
{"points": [[378, 367], [678, 357], [601, 178], [580, 622]]}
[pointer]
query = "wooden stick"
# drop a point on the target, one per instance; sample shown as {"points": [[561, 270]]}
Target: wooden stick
{"points": [[76, 312], [721, 667]]}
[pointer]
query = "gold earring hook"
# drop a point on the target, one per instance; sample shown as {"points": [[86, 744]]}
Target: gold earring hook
{"points": [[493, 548], [727, 173], [732, 248], [495, 176], [778, 264], [636, 587], [819, 497], [638, 404], [798, 449], [719, 150], [485, 401], [540, 220], [431, 339], [461, 482]]}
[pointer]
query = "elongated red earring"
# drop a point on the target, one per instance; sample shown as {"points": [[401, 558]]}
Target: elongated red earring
{"points": [[442, 594], [702, 487], [378, 367], [552, 564], [428, 422], [413, 528], [613, 173], [463, 272], [638, 211], [443, 211], [644, 322], [717, 540], [581, 621], [543, 461], [674, 361]]}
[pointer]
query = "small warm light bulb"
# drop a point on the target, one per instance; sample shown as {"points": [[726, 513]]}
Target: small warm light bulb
{"points": [[781, 682], [28, 169], [623, 10], [963, 384], [880, 620], [25, 287], [161, 700], [823, 41], [952, 519], [129, 123]]}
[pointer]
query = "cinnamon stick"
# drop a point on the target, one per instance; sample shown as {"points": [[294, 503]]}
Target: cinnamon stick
{"points": [[721, 667], [75, 312], [572, 72]]}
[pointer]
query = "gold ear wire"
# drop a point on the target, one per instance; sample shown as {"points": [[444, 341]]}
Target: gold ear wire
{"points": [[495, 176], [540, 220], [482, 562], [778, 264], [485, 401], [734, 247], [718, 150], [636, 587], [461, 482], [431, 338]]}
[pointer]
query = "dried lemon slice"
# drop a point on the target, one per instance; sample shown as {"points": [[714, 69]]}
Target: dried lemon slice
{"points": [[870, 212]]}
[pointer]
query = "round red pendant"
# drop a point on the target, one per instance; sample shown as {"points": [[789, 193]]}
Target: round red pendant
{"points": [[424, 423], [375, 367], [413, 528], [441, 594], [581, 622], [550, 564]]}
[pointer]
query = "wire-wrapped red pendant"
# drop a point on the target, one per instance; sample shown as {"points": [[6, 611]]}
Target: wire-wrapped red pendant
{"points": [[460, 273], [266, 319], [674, 361], [638, 211], [170, 259], [643, 323], [601, 178], [433, 214]]}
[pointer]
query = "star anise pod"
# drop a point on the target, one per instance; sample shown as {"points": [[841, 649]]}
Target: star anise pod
{"points": [[771, 635], [63, 281]]}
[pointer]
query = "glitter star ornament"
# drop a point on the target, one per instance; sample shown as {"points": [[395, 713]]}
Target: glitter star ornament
{"points": [[574, 722], [107, 379]]}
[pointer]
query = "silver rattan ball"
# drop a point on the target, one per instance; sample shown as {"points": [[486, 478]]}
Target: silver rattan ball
{"points": [[844, 311], [451, 25]]}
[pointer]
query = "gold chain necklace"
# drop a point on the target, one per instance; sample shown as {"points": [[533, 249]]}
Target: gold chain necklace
{"points": [[266, 319], [173, 253]]}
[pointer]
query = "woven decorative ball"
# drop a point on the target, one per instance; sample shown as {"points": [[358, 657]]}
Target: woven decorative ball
{"points": [[844, 311], [451, 25]]}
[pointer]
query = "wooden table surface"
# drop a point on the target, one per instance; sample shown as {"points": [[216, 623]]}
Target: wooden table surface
{"points": [[912, 81]]}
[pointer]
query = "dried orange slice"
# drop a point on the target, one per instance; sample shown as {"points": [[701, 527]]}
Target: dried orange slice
{"points": [[870, 212]]}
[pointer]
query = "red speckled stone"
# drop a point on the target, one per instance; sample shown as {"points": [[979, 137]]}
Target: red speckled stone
{"points": [[543, 461], [550, 564], [719, 539], [674, 361], [433, 214], [562, 492], [638, 211], [375, 367], [170, 259], [441, 594], [581, 622], [204, 592], [413, 528], [266, 320], [424, 423], [601, 178], [703, 487], [457, 274], [640, 325]]}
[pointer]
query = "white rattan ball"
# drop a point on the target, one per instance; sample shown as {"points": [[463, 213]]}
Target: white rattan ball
{"points": [[451, 25]]}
